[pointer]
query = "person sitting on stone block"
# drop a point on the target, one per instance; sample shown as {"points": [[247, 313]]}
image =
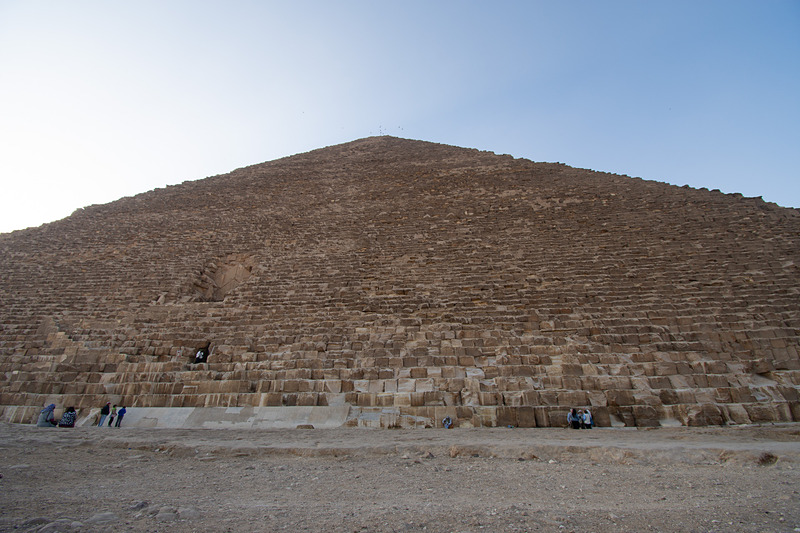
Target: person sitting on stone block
{"points": [[46, 417], [68, 419], [202, 354], [573, 419], [588, 421]]}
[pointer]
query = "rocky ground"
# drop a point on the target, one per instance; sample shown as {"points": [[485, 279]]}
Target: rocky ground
{"points": [[461, 480]]}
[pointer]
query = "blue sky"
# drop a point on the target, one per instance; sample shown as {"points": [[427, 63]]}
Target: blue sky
{"points": [[100, 100]]}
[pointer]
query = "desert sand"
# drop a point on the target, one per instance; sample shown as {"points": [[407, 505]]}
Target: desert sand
{"points": [[436, 480]]}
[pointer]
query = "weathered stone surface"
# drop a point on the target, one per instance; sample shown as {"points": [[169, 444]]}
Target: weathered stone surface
{"points": [[405, 278]]}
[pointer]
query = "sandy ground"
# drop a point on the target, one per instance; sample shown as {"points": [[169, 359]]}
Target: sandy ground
{"points": [[353, 480]]}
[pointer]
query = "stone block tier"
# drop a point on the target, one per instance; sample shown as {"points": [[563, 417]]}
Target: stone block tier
{"points": [[409, 281]]}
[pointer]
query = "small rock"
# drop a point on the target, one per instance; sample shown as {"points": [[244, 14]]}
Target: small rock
{"points": [[62, 525], [103, 518], [166, 514], [188, 513], [38, 521]]}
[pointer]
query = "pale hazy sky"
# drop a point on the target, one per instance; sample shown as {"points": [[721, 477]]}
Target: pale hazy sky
{"points": [[100, 100]]}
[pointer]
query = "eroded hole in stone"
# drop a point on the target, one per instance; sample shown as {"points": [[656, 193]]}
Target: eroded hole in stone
{"points": [[219, 278]]}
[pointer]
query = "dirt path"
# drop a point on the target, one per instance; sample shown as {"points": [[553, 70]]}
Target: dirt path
{"points": [[670, 479]]}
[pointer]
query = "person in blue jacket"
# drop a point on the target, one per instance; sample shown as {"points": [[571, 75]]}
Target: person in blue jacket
{"points": [[120, 415]]}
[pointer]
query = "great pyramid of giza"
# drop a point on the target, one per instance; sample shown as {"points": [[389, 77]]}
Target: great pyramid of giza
{"points": [[389, 282]]}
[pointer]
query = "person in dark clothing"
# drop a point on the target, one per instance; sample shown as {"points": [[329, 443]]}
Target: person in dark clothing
{"points": [[573, 419], [120, 416], [68, 418], [104, 413], [203, 353]]}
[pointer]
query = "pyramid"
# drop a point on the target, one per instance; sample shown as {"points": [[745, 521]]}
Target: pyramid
{"points": [[397, 282]]}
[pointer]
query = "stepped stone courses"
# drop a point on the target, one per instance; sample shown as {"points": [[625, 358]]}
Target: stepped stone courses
{"points": [[411, 281]]}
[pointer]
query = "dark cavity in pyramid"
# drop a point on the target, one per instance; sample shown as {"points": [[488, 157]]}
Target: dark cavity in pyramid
{"points": [[407, 281]]}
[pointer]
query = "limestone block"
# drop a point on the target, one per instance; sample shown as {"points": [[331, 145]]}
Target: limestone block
{"points": [[306, 399], [735, 414], [722, 395], [784, 412], [613, 382], [417, 399], [288, 385], [424, 385], [794, 407], [487, 385], [489, 398], [620, 398], [658, 382], [741, 395], [289, 399], [470, 397], [453, 372], [705, 395], [787, 364], [402, 399], [512, 399], [552, 418], [552, 382], [433, 398], [599, 414], [680, 382], [331, 374], [417, 372], [646, 416], [406, 385], [704, 415], [790, 394], [390, 385], [474, 373], [483, 417], [272, 399], [451, 399], [686, 396], [761, 413], [571, 382], [506, 416], [361, 385], [384, 399], [717, 381], [548, 397], [666, 369]]}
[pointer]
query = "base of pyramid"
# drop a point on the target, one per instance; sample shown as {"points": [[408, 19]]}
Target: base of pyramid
{"points": [[347, 415]]}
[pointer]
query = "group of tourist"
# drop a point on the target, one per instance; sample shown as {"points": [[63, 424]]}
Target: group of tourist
{"points": [[47, 417], [111, 413], [580, 419]]}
